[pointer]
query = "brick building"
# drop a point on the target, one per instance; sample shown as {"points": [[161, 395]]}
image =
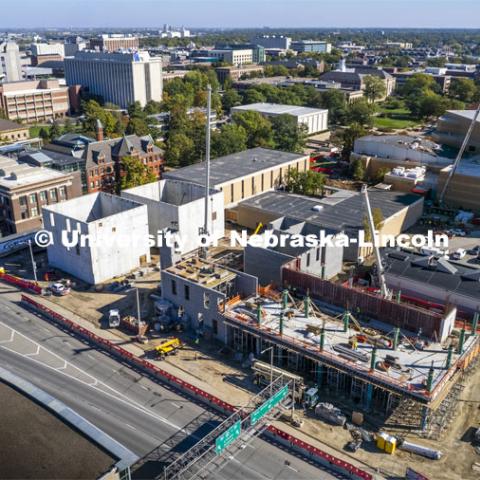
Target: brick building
{"points": [[25, 189]]}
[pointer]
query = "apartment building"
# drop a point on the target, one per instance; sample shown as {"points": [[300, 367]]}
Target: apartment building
{"points": [[121, 78], [34, 100], [113, 42], [25, 189]]}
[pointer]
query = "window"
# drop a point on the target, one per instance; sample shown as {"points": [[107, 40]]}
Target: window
{"points": [[186, 292], [114, 229], [231, 193], [318, 254], [263, 182], [23, 201], [174, 287], [63, 192], [33, 198], [253, 184], [53, 194], [34, 211], [271, 178], [243, 188], [308, 259], [24, 215], [43, 196], [215, 326]]}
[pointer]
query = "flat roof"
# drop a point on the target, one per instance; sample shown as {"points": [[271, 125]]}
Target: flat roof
{"points": [[232, 167], [341, 211], [14, 174], [279, 109], [468, 114]]}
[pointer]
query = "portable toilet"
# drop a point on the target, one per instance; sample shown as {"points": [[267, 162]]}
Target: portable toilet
{"points": [[381, 439], [390, 445]]}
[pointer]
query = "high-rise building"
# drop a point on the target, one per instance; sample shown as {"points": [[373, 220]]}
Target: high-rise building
{"points": [[121, 78], [10, 64], [113, 42]]}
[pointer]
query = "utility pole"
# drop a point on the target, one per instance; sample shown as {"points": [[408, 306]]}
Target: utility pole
{"points": [[137, 294], [207, 166], [271, 366], [34, 265]]}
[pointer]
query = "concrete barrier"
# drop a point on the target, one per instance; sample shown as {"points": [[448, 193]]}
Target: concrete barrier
{"points": [[304, 448], [21, 283]]}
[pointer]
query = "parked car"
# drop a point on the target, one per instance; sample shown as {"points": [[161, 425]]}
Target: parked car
{"points": [[474, 251], [459, 254], [456, 232], [59, 289]]}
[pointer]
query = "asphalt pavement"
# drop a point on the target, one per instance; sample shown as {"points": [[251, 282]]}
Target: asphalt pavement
{"points": [[132, 408]]}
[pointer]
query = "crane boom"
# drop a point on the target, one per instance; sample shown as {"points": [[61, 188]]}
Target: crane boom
{"points": [[459, 155], [380, 270]]}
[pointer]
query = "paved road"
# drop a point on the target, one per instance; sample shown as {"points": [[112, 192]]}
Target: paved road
{"points": [[130, 407]]}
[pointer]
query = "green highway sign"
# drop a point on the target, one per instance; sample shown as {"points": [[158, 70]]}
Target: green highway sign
{"points": [[273, 401], [228, 437]]}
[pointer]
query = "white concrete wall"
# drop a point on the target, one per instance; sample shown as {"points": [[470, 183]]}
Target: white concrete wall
{"points": [[188, 218], [107, 257]]}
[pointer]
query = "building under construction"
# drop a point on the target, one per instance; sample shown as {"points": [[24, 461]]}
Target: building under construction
{"points": [[377, 366]]}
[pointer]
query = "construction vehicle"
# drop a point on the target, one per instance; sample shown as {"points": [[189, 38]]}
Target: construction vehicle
{"points": [[170, 347], [311, 397]]}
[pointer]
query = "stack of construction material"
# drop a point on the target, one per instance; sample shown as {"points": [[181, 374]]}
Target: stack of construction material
{"points": [[329, 413]]}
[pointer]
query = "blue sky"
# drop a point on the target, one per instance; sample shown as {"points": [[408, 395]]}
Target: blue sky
{"points": [[241, 13]]}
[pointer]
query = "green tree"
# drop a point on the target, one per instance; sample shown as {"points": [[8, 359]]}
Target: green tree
{"points": [[257, 127], [375, 88], [350, 134], [179, 150], [305, 183], [93, 112], [253, 96], [137, 126], [230, 139], [377, 223], [231, 98], [135, 173], [55, 130], [463, 89], [358, 169], [152, 107], [44, 134], [360, 112], [288, 135]]}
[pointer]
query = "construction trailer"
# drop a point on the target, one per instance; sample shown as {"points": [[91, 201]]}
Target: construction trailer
{"points": [[399, 374]]}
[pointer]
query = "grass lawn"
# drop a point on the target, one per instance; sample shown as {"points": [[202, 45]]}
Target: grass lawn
{"points": [[395, 118], [35, 130]]}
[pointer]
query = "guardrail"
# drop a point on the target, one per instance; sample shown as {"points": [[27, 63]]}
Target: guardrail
{"points": [[21, 283], [305, 448]]}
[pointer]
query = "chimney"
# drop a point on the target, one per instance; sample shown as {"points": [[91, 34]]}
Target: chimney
{"points": [[99, 130]]}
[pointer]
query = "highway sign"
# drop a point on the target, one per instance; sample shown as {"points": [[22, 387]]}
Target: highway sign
{"points": [[228, 437], [273, 401]]}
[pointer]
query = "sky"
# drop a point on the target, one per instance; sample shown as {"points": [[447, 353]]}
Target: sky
{"points": [[240, 13]]}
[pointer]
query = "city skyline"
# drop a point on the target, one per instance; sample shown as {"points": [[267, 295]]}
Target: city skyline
{"points": [[238, 13]]}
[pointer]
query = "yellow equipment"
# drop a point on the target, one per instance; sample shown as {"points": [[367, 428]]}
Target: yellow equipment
{"points": [[169, 347]]}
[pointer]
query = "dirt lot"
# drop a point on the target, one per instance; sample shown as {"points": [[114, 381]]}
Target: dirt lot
{"points": [[35, 444]]}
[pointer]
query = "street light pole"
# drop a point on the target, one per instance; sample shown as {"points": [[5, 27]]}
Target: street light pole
{"points": [[34, 265], [138, 312], [271, 366]]}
